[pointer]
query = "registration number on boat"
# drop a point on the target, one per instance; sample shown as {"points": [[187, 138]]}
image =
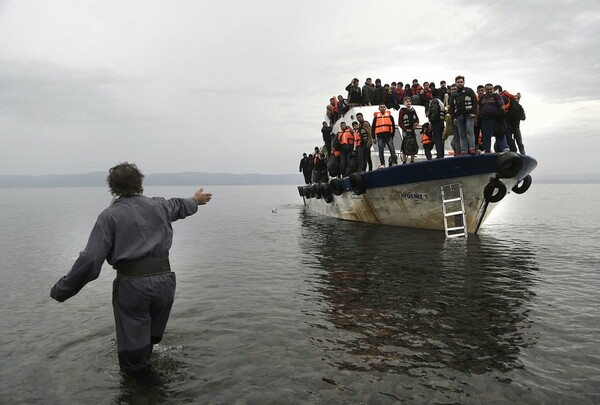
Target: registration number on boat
{"points": [[415, 196]]}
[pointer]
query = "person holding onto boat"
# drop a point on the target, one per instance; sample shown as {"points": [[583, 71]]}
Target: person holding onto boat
{"points": [[382, 130], [463, 107], [134, 235], [408, 120], [366, 139]]}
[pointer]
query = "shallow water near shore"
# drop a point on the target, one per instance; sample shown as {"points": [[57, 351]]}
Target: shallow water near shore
{"points": [[278, 305]]}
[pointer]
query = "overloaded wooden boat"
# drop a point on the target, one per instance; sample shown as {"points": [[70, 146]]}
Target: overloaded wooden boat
{"points": [[455, 194]]}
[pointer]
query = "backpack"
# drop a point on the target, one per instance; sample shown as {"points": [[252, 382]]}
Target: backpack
{"points": [[515, 112], [435, 112], [411, 147]]}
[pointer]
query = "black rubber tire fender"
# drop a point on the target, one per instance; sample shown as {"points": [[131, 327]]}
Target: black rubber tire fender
{"points": [[508, 165], [494, 191], [301, 191], [318, 191], [326, 191], [357, 184], [523, 185], [307, 192], [336, 186]]}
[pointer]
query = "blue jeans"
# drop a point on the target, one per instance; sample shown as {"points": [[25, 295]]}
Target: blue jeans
{"points": [[386, 139], [466, 132], [488, 126]]}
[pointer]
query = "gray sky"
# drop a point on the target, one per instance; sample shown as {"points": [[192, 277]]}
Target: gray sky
{"points": [[241, 86]]}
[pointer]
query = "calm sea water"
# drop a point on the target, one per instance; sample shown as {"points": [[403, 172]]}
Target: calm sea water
{"points": [[275, 305]]}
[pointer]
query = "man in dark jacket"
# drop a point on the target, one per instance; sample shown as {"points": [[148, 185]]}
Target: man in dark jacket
{"points": [[491, 112], [463, 109], [134, 235], [305, 168], [367, 92], [354, 94]]}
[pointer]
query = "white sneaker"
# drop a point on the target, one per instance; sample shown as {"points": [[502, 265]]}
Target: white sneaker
{"points": [[381, 167]]}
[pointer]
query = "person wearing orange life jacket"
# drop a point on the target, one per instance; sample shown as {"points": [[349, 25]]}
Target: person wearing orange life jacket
{"points": [[382, 129], [358, 146], [427, 140], [346, 138]]}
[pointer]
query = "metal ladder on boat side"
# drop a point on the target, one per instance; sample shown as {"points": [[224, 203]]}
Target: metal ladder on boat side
{"points": [[452, 195]]}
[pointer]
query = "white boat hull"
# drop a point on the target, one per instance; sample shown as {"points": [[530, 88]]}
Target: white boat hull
{"points": [[418, 204]]}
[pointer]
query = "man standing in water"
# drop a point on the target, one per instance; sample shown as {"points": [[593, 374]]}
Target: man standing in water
{"points": [[134, 236]]}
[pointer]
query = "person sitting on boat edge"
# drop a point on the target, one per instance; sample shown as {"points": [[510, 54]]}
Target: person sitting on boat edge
{"points": [[354, 94], [134, 235], [367, 92], [382, 129], [378, 93], [408, 120]]}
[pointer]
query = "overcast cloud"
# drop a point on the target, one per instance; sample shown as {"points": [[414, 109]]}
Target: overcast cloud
{"points": [[241, 86]]}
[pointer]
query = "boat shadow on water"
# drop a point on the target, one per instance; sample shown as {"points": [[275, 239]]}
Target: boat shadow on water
{"points": [[410, 301]]}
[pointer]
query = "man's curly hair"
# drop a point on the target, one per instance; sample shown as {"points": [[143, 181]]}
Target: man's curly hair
{"points": [[125, 180]]}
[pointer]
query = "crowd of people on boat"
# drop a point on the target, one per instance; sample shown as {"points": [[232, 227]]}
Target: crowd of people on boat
{"points": [[472, 118]]}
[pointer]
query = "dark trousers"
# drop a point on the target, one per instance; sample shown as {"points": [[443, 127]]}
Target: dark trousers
{"points": [[360, 158], [141, 306], [344, 159], [306, 177], [514, 137], [437, 130]]}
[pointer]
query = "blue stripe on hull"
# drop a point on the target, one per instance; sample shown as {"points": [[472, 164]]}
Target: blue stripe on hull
{"points": [[436, 169]]}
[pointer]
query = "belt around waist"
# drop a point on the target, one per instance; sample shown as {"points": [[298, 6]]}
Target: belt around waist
{"points": [[147, 266]]}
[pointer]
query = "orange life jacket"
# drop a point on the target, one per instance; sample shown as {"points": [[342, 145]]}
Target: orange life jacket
{"points": [[426, 138], [383, 122], [357, 138], [508, 98], [334, 103], [346, 137]]}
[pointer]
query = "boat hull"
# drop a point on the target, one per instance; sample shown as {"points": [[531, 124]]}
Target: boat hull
{"points": [[411, 195]]}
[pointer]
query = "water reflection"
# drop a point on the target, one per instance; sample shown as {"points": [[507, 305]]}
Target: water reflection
{"points": [[405, 301]]}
